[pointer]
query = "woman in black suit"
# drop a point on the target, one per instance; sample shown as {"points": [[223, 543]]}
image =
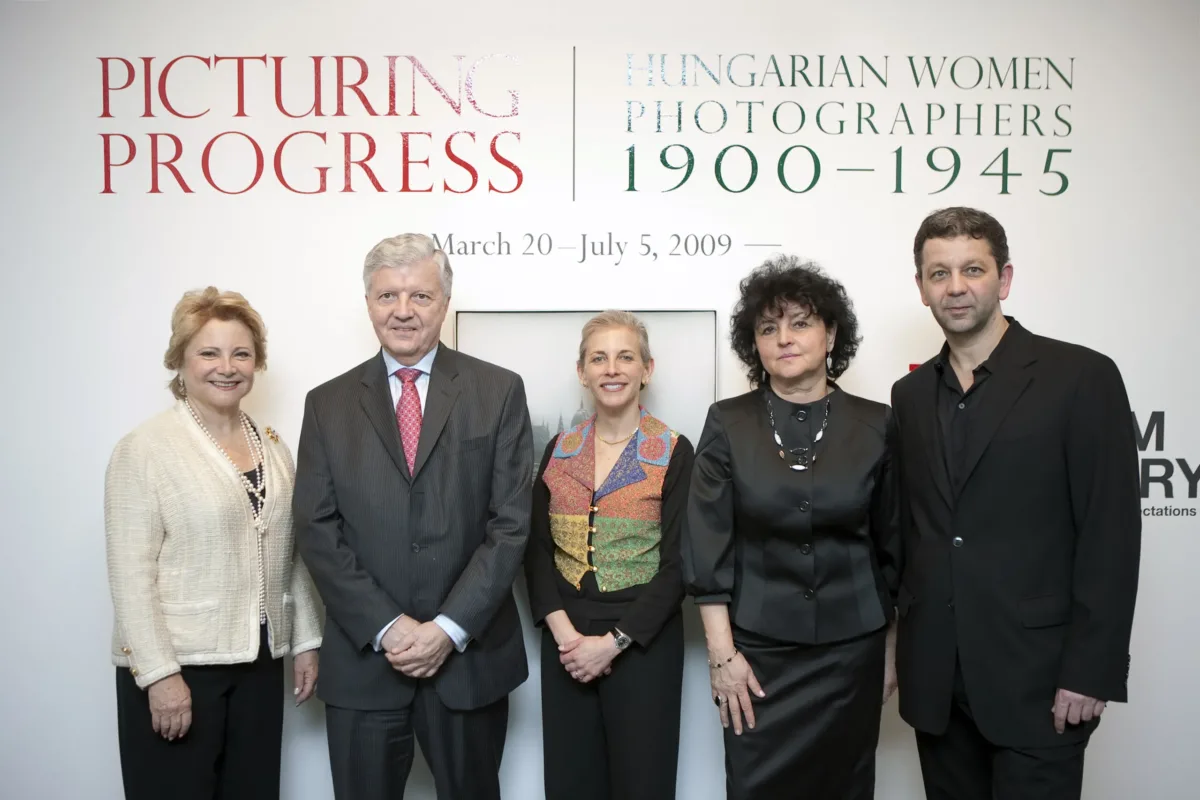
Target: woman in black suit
{"points": [[791, 547]]}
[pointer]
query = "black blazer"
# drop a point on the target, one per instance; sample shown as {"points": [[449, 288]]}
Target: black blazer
{"points": [[1030, 570], [449, 539], [805, 557]]}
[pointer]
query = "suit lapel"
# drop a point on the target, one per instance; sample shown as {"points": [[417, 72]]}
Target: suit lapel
{"points": [[439, 401], [376, 400], [931, 434], [1010, 382]]}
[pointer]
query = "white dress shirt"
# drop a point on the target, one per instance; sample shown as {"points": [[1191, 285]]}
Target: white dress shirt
{"points": [[460, 637]]}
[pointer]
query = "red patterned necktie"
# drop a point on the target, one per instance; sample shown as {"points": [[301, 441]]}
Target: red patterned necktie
{"points": [[408, 414]]}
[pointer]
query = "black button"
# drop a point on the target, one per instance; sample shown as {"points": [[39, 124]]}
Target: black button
{"points": [[416, 548], [804, 506], [806, 548], [808, 594], [950, 605], [956, 541], [962, 405], [802, 415]]}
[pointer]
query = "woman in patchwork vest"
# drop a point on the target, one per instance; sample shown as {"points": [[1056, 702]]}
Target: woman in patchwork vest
{"points": [[605, 582]]}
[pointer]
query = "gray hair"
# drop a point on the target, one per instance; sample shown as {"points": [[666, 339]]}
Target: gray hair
{"points": [[615, 319], [404, 251]]}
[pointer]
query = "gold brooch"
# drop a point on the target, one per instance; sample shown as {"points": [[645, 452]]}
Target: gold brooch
{"points": [[271, 433]]}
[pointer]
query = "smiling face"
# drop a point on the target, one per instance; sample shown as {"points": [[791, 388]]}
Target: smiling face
{"points": [[962, 284], [793, 342], [218, 365], [407, 306], [612, 368]]}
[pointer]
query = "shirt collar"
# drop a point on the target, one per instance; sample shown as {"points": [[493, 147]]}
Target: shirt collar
{"points": [[425, 365], [994, 361]]}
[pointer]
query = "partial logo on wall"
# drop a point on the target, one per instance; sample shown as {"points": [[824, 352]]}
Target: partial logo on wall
{"points": [[1169, 484]]}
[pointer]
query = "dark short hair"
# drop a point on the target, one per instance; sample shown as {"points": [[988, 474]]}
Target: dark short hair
{"points": [[787, 279], [950, 223]]}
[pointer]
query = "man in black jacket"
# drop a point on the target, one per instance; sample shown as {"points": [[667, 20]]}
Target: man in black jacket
{"points": [[1022, 534]]}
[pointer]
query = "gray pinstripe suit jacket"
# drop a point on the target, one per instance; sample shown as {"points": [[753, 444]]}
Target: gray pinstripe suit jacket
{"points": [[448, 539]]}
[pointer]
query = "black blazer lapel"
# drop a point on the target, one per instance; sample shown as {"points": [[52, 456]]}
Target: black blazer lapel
{"points": [[931, 434], [1012, 378], [443, 391], [376, 400]]}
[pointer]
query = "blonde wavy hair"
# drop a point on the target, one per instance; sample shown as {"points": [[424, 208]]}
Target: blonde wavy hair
{"points": [[195, 310]]}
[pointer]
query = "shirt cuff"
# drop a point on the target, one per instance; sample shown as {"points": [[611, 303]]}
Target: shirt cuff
{"points": [[383, 632], [460, 637]]}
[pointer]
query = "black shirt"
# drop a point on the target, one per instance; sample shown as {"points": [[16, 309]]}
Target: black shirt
{"points": [[252, 476], [956, 409]]}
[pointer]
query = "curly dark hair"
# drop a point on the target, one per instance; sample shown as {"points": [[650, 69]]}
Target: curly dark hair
{"points": [[787, 279]]}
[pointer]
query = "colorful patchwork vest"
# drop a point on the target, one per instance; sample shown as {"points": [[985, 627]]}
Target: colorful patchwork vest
{"points": [[615, 531]]}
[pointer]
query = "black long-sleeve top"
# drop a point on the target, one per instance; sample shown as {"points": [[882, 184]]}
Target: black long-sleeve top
{"points": [[808, 556]]}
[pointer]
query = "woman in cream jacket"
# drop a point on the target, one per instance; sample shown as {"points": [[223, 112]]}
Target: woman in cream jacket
{"points": [[207, 593]]}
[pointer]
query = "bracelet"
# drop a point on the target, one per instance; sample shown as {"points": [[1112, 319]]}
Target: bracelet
{"points": [[723, 663]]}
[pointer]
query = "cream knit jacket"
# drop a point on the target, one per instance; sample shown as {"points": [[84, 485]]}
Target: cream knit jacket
{"points": [[183, 555]]}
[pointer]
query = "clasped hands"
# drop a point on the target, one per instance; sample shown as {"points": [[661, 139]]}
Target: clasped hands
{"points": [[586, 658], [416, 649]]}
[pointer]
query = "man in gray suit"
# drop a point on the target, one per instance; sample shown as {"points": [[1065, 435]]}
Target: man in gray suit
{"points": [[412, 511]]}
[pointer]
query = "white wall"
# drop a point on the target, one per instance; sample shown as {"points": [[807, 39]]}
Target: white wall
{"points": [[91, 278]]}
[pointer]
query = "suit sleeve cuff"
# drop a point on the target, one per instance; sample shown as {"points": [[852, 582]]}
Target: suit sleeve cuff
{"points": [[722, 599], [305, 646], [145, 679], [378, 643], [460, 637]]}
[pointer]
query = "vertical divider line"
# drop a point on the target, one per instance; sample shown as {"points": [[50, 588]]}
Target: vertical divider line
{"points": [[572, 123]]}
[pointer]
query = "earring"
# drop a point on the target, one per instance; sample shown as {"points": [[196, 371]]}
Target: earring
{"points": [[829, 360]]}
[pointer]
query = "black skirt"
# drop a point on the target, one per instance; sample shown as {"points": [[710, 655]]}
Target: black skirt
{"points": [[817, 729]]}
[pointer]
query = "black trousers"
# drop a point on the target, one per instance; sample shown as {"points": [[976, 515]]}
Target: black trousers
{"points": [[961, 764], [232, 750], [616, 738], [816, 730], [371, 752]]}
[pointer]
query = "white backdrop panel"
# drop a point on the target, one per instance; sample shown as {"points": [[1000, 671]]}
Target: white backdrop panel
{"points": [[91, 277]]}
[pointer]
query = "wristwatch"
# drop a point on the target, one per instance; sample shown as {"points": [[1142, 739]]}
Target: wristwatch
{"points": [[621, 640]]}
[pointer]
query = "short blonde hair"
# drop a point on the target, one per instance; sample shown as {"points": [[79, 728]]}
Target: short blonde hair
{"points": [[195, 310], [615, 319], [404, 251]]}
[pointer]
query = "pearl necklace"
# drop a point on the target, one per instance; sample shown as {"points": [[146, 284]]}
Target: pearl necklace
{"points": [[256, 453]]}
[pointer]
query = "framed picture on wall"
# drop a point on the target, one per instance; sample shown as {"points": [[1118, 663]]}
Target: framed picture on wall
{"points": [[543, 347]]}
